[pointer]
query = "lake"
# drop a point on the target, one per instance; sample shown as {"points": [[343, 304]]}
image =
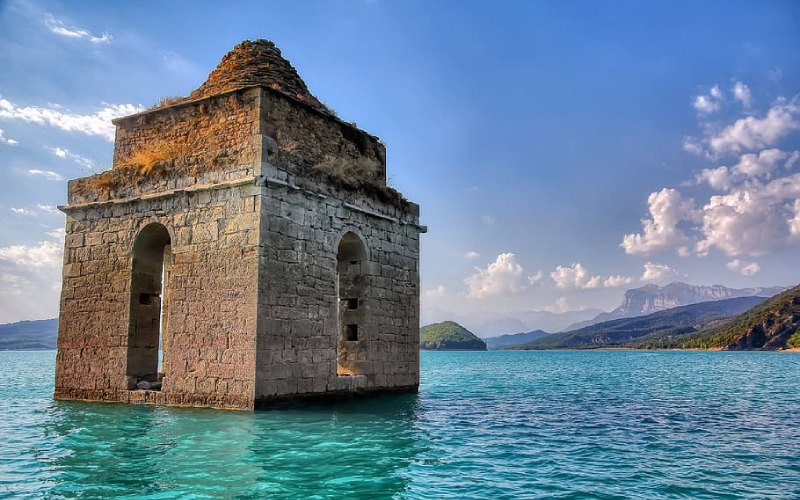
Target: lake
{"points": [[555, 424]]}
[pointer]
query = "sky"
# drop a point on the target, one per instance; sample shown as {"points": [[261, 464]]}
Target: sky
{"points": [[561, 151]]}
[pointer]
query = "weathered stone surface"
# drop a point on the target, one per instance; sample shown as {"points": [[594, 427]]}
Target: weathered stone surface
{"points": [[255, 303]]}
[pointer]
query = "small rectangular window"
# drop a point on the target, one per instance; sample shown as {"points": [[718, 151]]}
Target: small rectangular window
{"points": [[145, 299], [351, 333], [352, 304]]}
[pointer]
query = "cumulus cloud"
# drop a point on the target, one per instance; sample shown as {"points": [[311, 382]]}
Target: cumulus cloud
{"points": [[743, 268], [47, 174], [753, 216], [96, 124], [751, 220], [660, 231], [45, 254], [708, 103], [658, 272], [752, 133], [741, 93], [4, 140], [754, 209], [58, 27], [577, 277], [750, 165], [503, 276]]}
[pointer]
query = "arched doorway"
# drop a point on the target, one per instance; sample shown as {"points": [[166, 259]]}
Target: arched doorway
{"points": [[152, 257], [352, 308]]}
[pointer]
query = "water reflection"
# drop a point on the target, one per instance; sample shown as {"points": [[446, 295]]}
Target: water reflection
{"points": [[359, 447]]}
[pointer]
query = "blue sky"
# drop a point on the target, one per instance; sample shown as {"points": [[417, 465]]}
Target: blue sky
{"points": [[562, 152]]}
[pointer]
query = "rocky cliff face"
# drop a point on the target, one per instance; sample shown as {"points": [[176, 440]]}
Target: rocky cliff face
{"points": [[779, 330], [652, 298], [775, 324]]}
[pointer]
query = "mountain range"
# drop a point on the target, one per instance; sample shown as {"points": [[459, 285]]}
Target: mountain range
{"points": [[29, 335], [653, 298], [514, 339], [774, 324], [667, 324]]}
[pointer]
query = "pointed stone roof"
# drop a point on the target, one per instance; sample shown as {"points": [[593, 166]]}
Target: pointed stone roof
{"points": [[256, 63]]}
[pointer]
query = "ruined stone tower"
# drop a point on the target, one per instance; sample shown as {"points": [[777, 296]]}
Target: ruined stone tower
{"points": [[249, 232]]}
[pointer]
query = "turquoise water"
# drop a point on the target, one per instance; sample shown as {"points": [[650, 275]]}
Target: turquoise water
{"points": [[597, 424]]}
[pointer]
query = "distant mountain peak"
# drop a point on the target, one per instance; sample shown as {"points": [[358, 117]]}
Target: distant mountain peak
{"points": [[651, 298]]}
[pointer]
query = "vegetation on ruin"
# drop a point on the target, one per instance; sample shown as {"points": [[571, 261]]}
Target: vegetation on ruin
{"points": [[347, 172]]}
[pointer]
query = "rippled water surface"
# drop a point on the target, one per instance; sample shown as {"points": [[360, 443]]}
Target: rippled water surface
{"points": [[600, 424]]}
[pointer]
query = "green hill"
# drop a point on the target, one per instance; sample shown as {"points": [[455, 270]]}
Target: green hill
{"points": [[774, 324], [449, 336], [668, 324], [29, 335]]}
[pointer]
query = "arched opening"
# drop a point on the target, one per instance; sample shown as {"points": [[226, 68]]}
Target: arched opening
{"points": [[152, 258], [352, 308]]}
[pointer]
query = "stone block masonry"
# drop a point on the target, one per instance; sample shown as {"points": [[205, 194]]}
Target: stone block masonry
{"points": [[217, 240]]}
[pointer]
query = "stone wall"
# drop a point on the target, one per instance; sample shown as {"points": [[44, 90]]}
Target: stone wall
{"points": [[200, 142], [306, 138], [210, 337], [253, 311], [298, 326]]}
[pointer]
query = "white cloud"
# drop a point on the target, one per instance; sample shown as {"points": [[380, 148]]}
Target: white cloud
{"points": [[718, 178], [750, 165], [47, 174], [40, 208], [535, 277], [692, 145], [794, 222], [743, 268], [58, 234], [661, 231], [503, 276], [753, 219], [741, 93], [617, 281], [578, 277], [708, 103], [435, 293], [658, 272], [85, 163], [559, 306], [756, 207], [97, 123], [471, 255], [59, 28], [48, 209], [751, 133], [487, 219], [4, 140], [45, 254]]}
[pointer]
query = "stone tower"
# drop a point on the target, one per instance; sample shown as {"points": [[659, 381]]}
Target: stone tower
{"points": [[250, 233]]}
